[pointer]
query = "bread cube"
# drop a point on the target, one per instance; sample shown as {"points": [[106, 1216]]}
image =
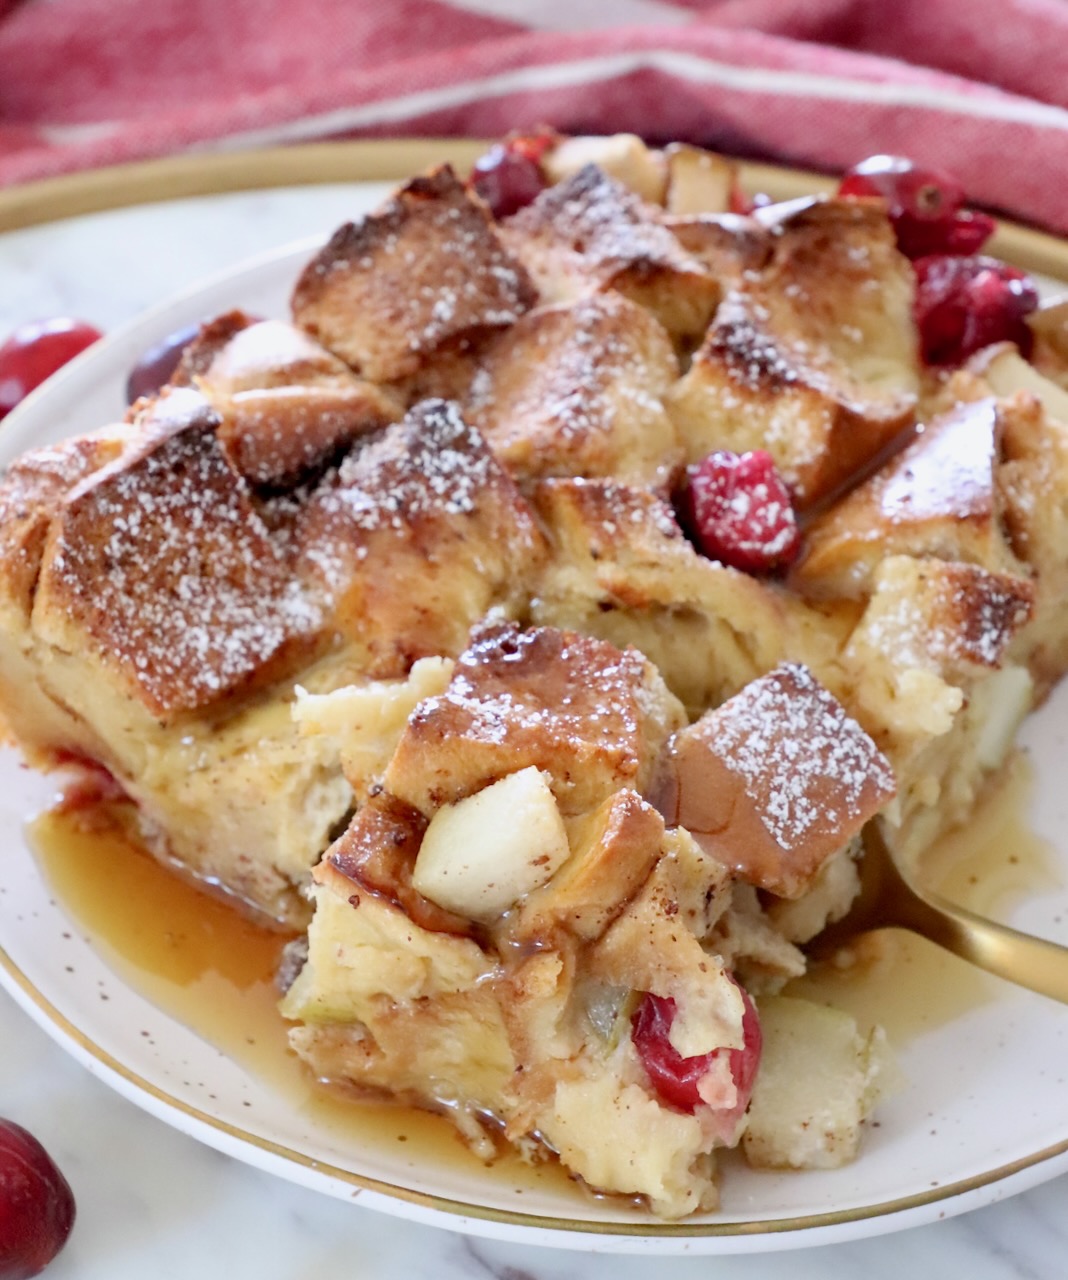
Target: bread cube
{"points": [[777, 780], [425, 270], [939, 497], [814, 357], [577, 389], [593, 717], [591, 233]]}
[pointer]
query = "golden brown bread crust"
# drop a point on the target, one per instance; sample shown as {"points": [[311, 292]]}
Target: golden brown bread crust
{"points": [[729, 244], [31, 493], [590, 233], [614, 850], [594, 718], [576, 389], [939, 497], [777, 779], [426, 269], [161, 565], [377, 852], [419, 534], [814, 357], [287, 406]]}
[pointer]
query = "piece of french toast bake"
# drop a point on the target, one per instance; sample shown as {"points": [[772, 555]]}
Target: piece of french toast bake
{"points": [[535, 618]]}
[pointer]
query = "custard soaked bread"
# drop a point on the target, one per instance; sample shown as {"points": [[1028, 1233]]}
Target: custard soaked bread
{"points": [[546, 608]]}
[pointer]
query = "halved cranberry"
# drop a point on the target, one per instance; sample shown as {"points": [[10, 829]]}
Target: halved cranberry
{"points": [[35, 351], [965, 304], [509, 176], [739, 511], [677, 1079], [925, 206]]}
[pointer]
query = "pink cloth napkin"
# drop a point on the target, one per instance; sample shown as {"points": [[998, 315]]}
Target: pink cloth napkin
{"points": [[978, 88]]}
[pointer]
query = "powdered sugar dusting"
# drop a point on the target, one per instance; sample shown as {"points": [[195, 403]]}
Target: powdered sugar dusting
{"points": [[601, 219], [165, 561], [805, 764]]}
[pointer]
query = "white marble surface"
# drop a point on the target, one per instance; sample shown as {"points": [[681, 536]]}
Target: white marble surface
{"points": [[153, 1202]]}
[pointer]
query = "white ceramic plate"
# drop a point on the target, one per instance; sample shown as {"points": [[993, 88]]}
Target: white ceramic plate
{"points": [[983, 1112]]}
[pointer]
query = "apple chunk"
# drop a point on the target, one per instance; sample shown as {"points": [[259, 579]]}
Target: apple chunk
{"points": [[487, 851]]}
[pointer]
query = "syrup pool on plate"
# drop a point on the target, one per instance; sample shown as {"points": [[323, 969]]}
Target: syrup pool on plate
{"points": [[903, 982], [209, 967]]}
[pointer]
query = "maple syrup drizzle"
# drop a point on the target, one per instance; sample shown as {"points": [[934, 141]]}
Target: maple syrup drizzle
{"points": [[212, 969]]}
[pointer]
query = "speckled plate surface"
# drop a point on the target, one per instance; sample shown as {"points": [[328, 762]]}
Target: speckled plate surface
{"points": [[982, 1112]]}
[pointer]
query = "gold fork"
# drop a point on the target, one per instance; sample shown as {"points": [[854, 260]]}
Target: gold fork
{"points": [[890, 896]]}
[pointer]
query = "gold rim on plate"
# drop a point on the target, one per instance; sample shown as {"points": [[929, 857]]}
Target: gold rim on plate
{"points": [[202, 174], [212, 173]]}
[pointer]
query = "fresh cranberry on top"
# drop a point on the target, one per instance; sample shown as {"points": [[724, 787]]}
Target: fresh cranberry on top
{"points": [[925, 206], [35, 351], [509, 176], [738, 510], [965, 304]]}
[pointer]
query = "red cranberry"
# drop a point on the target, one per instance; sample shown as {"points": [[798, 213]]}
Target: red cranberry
{"points": [[36, 1204], [924, 205], [155, 367], [677, 1079], [509, 176], [35, 351], [965, 304], [739, 511]]}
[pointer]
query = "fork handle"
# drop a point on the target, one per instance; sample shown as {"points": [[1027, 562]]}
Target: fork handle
{"points": [[1035, 963]]}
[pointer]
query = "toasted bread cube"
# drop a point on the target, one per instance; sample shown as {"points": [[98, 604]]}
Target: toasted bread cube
{"points": [[427, 269], [419, 535], [698, 181], [777, 780], [730, 245], [32, 491], [590, 233], [939, 497], [613, 850], [621, 155], [622, 569], [576, 389], [814, 358], [941, 616], [287, 405], [819, 1079], [593, 717], [160, 565]]}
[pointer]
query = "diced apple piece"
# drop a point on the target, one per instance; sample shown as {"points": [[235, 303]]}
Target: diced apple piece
{"points": [[1006, 697], [819, 1078], [699, 181], [487, 851], [623, 155]]}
